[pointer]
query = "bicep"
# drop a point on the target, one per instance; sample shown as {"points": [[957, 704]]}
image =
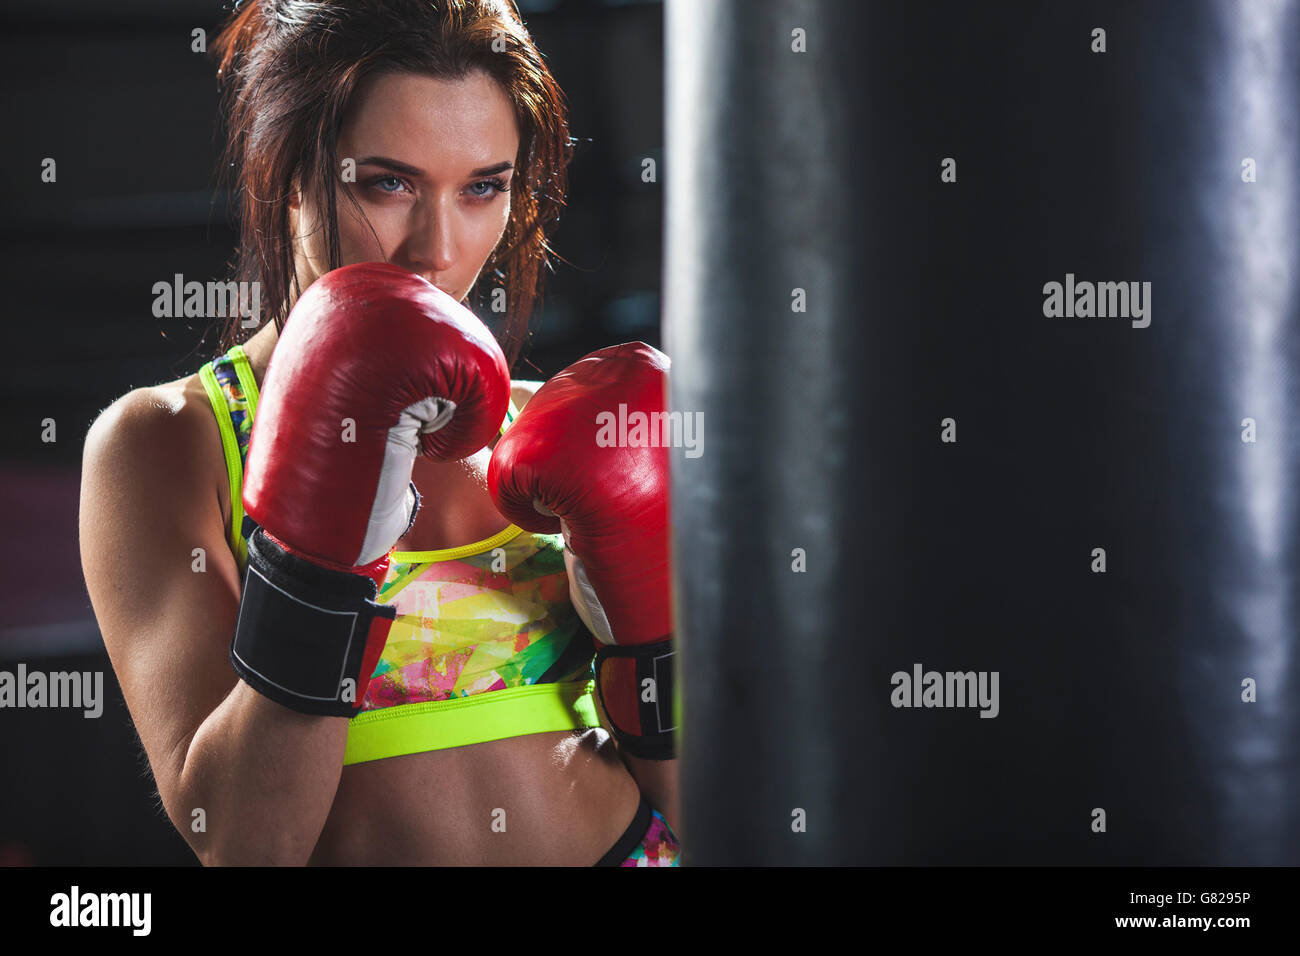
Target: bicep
{"points": [[162, 581]]}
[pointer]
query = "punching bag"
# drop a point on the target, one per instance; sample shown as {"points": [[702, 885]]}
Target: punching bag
{"points": [[990, 553]]}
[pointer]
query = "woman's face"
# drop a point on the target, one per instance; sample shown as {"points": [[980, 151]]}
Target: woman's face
{"points": [[432, 158]]}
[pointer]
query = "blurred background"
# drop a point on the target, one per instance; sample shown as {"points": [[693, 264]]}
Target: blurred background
{"points": [[113, 92]]}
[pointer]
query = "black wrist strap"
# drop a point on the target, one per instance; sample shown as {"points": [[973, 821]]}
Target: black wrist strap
{"points": [[304, 631], [637, 692]]}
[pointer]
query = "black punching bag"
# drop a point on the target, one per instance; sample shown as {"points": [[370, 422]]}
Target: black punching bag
{"points": [[991, 316]]}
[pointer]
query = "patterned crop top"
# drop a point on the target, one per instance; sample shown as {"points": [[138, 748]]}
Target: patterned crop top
{"points": [[486, 644]]}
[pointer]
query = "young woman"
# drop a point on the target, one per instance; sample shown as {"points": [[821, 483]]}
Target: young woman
{"points": [[431, 136]]}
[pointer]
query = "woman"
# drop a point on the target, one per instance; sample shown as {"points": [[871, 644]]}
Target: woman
{"points": [[430, 136]]}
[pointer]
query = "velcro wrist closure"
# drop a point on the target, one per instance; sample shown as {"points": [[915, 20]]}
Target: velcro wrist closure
{"points": [[637, 690], [306, 633]]}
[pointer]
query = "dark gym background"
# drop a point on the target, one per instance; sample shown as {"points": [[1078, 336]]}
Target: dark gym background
{"points": [[114, 94]]}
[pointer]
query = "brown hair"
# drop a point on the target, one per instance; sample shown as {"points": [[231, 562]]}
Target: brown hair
{"points": [[288, 69]]}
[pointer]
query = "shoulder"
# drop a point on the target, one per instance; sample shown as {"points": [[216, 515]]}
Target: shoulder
{"points": [[521, 390], [156, 433], [146, 417]]}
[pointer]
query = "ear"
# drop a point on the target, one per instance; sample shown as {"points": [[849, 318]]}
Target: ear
{"points": [[295, 209]]}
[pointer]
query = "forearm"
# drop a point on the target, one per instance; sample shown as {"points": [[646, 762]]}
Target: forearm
{"points": [[265, 778], [658, 780]]}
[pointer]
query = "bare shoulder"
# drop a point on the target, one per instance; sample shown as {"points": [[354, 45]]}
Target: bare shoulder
{"points": [[521, 390], [153, 419], [158, 432]]}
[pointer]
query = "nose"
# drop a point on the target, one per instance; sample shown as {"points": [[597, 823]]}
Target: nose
{"points": [[432, 246]]}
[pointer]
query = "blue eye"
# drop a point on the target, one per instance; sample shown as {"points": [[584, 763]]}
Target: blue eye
{"points": [[496, 185], [387, 179]]}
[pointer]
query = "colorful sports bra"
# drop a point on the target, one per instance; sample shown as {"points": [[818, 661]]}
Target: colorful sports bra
{"points": [[486, 644]]}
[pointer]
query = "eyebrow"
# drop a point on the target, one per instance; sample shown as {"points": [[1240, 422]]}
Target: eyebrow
{"points": [[409, 170]]}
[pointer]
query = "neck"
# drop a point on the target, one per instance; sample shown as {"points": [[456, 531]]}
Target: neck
{"points": [[259, 348]]}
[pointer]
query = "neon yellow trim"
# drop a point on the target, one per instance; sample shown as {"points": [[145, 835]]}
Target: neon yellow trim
{"points": [[247, 381], [463, 551], [493, 715], [230, 447], [511, 414]]}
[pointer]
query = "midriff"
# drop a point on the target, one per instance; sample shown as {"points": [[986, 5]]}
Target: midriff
{"points": [[551, 799]]}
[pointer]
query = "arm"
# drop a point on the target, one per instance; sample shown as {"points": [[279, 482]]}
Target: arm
{"points": [[609, 499], [658, 779], [264, 776]]}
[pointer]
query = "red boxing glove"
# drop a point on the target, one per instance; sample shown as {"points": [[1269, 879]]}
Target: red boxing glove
{"points": [[375, 365], [571, 462]]}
